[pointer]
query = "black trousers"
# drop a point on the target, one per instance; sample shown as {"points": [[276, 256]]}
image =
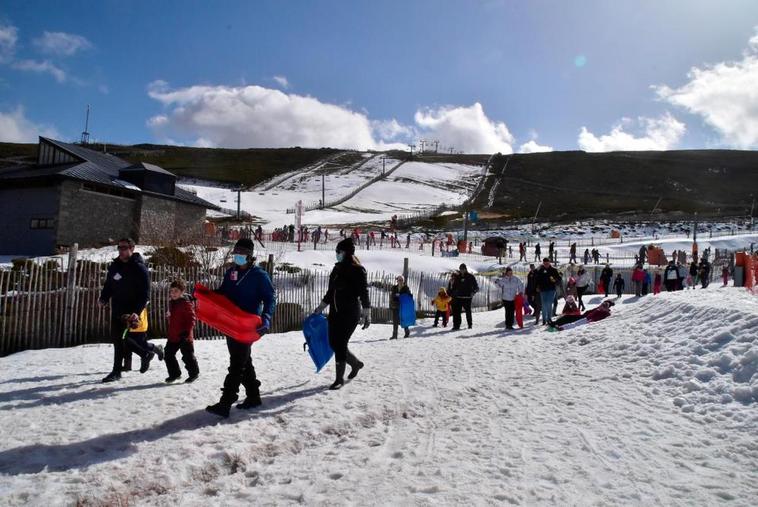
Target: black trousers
{"points": [[241, 372], [437, 315], [606, 286], [396, 323], [122, 347], [188, 358], [510, 313], [566, 319], [459, 305], [341, 328]]}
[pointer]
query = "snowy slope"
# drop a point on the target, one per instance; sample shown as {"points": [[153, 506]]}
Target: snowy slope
{"points": [[413, 187], [652, 411]]}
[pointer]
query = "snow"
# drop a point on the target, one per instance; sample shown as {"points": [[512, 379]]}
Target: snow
{"points": [[413, 187], [660, 407]]}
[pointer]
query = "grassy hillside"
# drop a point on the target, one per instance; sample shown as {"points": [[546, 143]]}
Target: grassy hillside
{"points": [[249, 166], [577, 184]]}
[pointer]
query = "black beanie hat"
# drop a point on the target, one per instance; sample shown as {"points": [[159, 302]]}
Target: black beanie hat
{"points": [[347, 246], [245, 244]]}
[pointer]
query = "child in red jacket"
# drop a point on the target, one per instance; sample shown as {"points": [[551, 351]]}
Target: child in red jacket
{"points": [[181, 321]]}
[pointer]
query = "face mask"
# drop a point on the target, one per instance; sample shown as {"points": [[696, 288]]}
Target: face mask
{"points": [[240, 260], [340, 256]]}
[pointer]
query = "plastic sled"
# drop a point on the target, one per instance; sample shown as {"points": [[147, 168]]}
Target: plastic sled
{"points": [[221, 314], [519, 304], [407, 311], [527, 309], [316, 332]]}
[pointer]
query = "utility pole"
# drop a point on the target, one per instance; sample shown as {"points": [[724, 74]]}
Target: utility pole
{"points": [[239, 201], [411, 146], [323, 191], [465, 225], [384, 159], [535, 215], [436, 145], [422, 142]]}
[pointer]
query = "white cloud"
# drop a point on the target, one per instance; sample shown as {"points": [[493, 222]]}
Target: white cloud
{"points": [[466, 129], [725, 95], [8, 39], [61, 44], [282, 81], [245, 116], [662, 133], [533, 147], [42, 68], [16, 128], [254, 116]]}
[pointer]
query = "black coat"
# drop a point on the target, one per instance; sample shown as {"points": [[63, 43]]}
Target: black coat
{"points": [[348, 289], [463, 286], [618, 284], [395, 295], [127, 286], [547, 278], [531, 283], [606, 274]]}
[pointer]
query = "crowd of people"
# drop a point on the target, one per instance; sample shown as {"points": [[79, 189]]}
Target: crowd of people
{"points": [[249, 288]]}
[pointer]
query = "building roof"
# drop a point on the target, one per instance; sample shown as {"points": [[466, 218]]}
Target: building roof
{"points": [[98, 168]]}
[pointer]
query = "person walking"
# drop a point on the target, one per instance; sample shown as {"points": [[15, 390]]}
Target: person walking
{"points": [[462, 289], [510, 287], [248, 287], [618, 285], [547, 278], [348, 302], [671, 277], [399, 288], [532, 294], [638, 276], [127, 291], [537, 252], [442, 306], [181, 322], [606, 277]]}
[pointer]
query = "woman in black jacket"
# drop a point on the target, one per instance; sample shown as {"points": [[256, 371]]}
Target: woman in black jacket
{"points": [[347, 298]]}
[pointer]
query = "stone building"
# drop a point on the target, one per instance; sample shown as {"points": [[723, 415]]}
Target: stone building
{"points": [[77, 195]]}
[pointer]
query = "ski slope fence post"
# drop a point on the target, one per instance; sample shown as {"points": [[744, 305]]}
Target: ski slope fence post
{"points": [[68, 315]]}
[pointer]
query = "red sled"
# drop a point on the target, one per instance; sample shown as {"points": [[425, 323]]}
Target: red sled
{"points": [[519, 304], [221, 314], [601, 287]]}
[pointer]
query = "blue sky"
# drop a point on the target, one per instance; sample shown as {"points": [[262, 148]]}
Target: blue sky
{"points": [[476, 75]]}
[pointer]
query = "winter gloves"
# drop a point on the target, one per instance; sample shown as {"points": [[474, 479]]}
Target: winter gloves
{"points": [[366, 316], [320, 308], [265, 325]]}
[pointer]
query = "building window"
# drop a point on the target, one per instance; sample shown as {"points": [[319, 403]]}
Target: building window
{"points": [[42, 223]]}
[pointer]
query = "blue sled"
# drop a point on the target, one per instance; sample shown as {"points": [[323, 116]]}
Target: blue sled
{"points": [[407, 311], [316, 332]]}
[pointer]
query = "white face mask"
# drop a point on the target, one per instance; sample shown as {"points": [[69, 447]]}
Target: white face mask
{"points": [[340, 256]]}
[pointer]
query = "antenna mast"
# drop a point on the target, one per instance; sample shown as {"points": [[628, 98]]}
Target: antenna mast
{"points": [[85, 134]]}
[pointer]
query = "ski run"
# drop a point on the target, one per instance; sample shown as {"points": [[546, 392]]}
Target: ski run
{"points": [[658, 407]]}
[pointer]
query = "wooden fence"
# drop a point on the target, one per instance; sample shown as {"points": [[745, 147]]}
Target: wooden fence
{"points": [[46, 305]]}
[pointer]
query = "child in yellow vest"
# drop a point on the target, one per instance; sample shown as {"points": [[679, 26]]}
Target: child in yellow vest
{"points": [[442, 304]]}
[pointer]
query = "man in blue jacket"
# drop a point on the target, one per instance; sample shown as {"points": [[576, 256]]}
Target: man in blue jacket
{"points": [[127, 289], [250, 288]]}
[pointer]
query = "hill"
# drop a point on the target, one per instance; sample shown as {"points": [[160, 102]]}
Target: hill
{"points": [[249, 166], [575, 184]]}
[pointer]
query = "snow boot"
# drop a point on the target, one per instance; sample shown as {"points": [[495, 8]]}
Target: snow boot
{"points": [[340, 381], [172, 379], [407, 332], [355, 365], [158, 349], [192, 378], [253, 398], [112, 377], [220, 409], [146, 362]]}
